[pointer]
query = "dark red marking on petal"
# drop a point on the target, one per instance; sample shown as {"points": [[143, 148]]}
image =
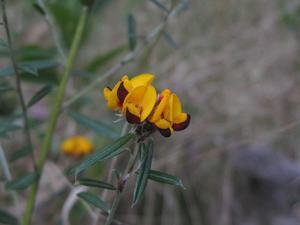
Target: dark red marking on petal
{"points": [[165, 132], [131, 118], [122, 93], [183, 125]]}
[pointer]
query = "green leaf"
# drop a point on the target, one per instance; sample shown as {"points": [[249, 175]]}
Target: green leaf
{"points": [[38, 8], [142, 152], [131, 31], [5, 88], [20, 153], [102, 60], [165, 178], [31, 67], [94, 200], [160, 5], [22, 182], [95, 125], [7, 218], [6, 127], [96, 183], [105, 153], [44, 91], [88, 3], [142, 178]]}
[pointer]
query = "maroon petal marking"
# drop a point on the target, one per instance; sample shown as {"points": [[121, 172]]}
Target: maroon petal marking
{"points": [[131, 118], [122, 93], [165, 132], [183, 125]]}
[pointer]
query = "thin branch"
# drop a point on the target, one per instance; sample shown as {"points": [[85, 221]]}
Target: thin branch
{"points": [[18, 81]]}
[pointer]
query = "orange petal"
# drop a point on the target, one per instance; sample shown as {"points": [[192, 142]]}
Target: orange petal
{"points": [[160, 107], [148, 102], [142, 80]]}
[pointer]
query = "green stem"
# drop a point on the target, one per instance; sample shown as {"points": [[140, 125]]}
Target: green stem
{"points": [[46, 145], [128, 170]]}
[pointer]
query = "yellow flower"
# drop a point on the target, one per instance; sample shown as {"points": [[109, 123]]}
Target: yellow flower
{"points": [[135, 98], [77, 146], [167, 116]]}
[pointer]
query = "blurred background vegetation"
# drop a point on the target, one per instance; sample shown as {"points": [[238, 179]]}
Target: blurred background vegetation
{"points": [[234, 63]]}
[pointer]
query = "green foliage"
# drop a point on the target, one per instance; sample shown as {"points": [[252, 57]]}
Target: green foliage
{"points": [[39, 95], [66, 17], [94, 200], [7, 126], [142, 177], [88, 3], [165, 178], [105, 153], [132, 40], [20, 153], [142, 152], [22, 182], [7, 218], [102, 60], [31, 67], [96, 183], [95, 125]]}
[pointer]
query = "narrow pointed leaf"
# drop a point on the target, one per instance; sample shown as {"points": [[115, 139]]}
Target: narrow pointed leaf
{"points": [[105, 153], [95, 125], [96, 183], [143, 174], [21, 182], [94, 200], [5, 88], [20, 153], [44, 91], [38, 8], [103, 59], [165, 178], [31, 67], [131, 32], [6, 127], [142, 152], [7, 218]]}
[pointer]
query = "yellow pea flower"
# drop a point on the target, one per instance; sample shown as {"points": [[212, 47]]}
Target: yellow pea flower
{"points": [[167, 116], [135, 98], [77, 146]]}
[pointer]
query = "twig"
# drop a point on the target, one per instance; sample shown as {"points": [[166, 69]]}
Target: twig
{"points": [[46, 145], [126, 174], [18, 81], [113, 163]]}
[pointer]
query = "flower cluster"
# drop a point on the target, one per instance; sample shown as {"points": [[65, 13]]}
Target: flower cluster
{"points": [[137, 99], [77, 146]]}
